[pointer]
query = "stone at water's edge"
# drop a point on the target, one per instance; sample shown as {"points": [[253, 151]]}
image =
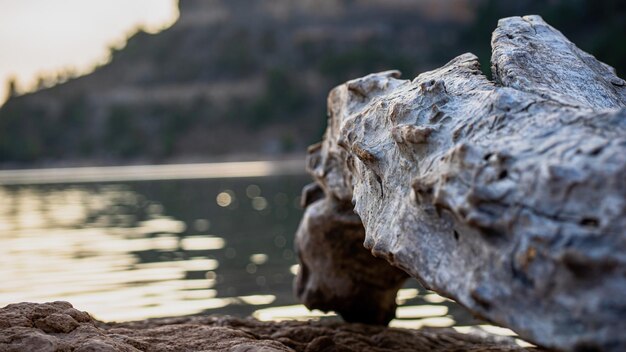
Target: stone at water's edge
{"points": [[508, 196], [57, 326]]}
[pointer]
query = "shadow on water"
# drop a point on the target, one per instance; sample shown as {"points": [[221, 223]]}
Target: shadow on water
{"points": [[135, 250]]}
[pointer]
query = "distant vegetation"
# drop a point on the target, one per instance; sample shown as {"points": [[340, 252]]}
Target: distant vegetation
{"points": [[253, 83]]}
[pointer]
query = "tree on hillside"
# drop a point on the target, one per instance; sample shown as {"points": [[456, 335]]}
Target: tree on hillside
{"points": [[11, 87]]}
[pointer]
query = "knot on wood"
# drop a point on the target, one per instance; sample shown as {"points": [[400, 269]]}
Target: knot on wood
{"points": [[432, 87], [397, 112], [363, 154], [436, 115], [364, 86], [411, 134], [421, 190]]}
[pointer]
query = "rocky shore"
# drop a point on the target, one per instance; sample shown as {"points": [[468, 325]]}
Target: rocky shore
{"points": [[58, 326]]}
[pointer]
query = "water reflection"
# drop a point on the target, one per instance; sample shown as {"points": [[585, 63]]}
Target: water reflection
{"points": [[149, 249], [294, 312], [170, 248]]}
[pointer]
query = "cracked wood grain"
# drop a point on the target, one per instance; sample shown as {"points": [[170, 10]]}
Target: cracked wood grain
{"points": [[508, 196]]}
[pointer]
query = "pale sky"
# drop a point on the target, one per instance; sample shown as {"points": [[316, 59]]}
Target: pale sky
{"points": [[42, 37]]}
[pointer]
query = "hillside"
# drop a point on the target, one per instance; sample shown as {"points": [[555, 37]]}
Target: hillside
{"points": [[250, 78]]}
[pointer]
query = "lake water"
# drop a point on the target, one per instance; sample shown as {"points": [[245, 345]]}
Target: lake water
{"points": [[219, 243]]}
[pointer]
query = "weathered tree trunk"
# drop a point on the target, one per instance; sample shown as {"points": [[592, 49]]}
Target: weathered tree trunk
{"points": [[508, 196]]}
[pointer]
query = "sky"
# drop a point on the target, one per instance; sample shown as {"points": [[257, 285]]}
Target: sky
{"points": [[39, 38]]}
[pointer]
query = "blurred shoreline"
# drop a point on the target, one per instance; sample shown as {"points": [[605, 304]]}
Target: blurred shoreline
{"points": [[119, 162], [56, 174]]}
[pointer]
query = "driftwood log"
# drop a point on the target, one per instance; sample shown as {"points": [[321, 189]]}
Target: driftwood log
{"points": [[506, 195]]}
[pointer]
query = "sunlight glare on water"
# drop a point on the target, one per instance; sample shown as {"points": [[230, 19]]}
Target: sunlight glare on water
{"points": [[117, 251]]}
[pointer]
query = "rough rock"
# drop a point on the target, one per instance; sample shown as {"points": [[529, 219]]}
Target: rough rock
{"points": [[508, 196], [57, 326]]}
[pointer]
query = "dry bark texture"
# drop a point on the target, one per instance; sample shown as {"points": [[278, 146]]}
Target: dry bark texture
{"points": [[508, 196], [57, 326]]}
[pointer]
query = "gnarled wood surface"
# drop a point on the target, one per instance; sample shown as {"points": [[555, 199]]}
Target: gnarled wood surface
{"points": [[508, 196]]}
